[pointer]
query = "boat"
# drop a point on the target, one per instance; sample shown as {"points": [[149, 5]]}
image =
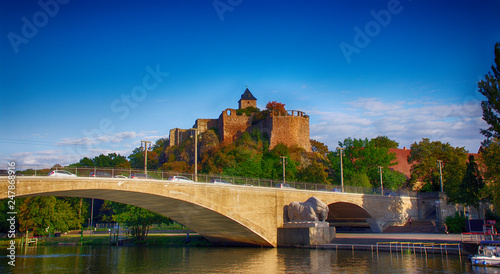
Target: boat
{"points": [[488, 254]]}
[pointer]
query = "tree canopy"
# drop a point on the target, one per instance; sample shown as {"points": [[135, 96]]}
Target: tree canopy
{"points": [[138, 219], [361, 161], [425, 170], [490, 156], [110, 160], [276, 107], [45, 215], [489, 87], [490, 160], [471, 187]]}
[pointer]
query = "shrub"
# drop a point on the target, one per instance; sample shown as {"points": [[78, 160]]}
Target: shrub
{"points": [[456, 224]]}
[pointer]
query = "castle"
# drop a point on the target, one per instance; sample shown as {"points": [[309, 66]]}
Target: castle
{"points": [[290, 128]]}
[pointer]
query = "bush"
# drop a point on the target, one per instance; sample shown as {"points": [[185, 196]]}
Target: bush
{"points": [[456, 224]]}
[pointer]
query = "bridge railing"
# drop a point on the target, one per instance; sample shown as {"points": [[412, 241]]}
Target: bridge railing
{"points": [[206, 178]]}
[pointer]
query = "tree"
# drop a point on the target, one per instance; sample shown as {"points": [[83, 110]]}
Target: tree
{"points": [[490, 89], [110, 160], [359, 179], [425, 171], [139, 219], [470, 189], [319, 147], [137, 158], [315, 172], [384, 141], [85, 161], [361, 156], [490, 160], [276, 107], [44, 215]]}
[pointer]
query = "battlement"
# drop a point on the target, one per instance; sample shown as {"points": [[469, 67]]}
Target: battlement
{"points": [[297, 113]]}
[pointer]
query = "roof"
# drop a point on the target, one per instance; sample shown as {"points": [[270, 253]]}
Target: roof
{"points": [[402, 158], [247, 95]]}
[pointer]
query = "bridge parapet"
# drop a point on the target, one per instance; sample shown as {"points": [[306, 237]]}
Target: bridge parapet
{"points": [[205, 178]]}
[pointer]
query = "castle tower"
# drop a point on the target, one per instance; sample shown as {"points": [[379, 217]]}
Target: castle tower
{"points": [[247, 100]]}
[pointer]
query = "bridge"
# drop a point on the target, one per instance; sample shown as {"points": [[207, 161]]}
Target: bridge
{"points": [[224, 214]]}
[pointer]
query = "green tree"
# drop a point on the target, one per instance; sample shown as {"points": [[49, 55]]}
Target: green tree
{"points": [[425, 170], [490, 160], [470, 190], [393, 179], [86, 162], [489, 87], [359, 179], [136, 158], [272, 165], [44, 215], [138, 219], [361, 156], [315, 172], [110, 160], [384, 141]]}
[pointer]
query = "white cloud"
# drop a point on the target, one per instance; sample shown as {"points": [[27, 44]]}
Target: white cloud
{"points": [[404, 122], [115, 138], [71, 150]]}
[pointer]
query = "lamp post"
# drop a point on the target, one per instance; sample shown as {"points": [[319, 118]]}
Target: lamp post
{"points": [[381, 183], [341, 169], [146, 155], [195, 154], [283, 160], [440, 164]]}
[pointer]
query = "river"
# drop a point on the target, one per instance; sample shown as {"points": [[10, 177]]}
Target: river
{"points": [[136, 259]]}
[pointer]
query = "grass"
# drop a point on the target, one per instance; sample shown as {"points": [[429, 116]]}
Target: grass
{"points": [[151, 240]]}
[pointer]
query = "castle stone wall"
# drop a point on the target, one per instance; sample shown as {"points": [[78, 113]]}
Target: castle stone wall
{"points": [[232, 125], [177, 136], [205, 124], [290, 131]]}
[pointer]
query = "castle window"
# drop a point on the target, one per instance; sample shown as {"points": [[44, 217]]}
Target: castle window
{"points": [[228, 112]]}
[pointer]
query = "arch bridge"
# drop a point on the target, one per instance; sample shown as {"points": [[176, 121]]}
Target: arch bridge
{"points": [[224, 214]]}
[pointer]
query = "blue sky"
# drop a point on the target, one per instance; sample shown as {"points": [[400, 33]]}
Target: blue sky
{"points": [[81, 78]]}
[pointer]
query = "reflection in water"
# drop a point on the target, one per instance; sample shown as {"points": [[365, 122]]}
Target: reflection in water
{"points": [[113, 259]]}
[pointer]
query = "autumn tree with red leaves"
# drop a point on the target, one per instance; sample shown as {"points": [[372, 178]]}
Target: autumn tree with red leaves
{"points": [[276, 107]]}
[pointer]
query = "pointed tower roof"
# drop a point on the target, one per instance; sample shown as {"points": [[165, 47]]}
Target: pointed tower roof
{"points": [[247, 95]]}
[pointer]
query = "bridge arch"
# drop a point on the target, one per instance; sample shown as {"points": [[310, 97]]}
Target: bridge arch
{"points": [[191, 204], [347, 216]]}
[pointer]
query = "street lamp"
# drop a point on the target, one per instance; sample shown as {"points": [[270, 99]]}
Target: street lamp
{"points": [[341, 169], [381, 183], [440, 164], [283, 160], [195, 154], [146, 155]]}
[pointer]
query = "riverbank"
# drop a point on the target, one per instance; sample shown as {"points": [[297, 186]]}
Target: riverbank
{"points": [[102, 239], [373, 238], [423, 242]]}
